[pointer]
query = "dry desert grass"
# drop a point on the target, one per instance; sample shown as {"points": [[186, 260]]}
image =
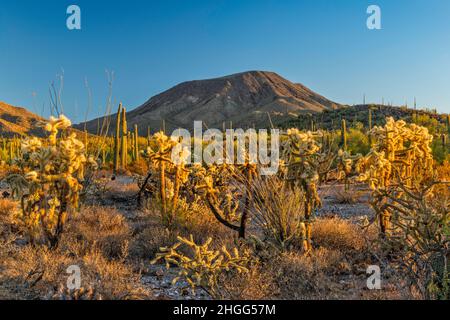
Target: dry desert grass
{"points": [[114, 244]]}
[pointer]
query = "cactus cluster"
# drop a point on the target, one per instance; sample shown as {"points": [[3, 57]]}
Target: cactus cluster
{"points": [[50, 180], [124, 141], [172, 174], [303, 156], [347, 166], [202, 266], [9, 150], [400, 153]]}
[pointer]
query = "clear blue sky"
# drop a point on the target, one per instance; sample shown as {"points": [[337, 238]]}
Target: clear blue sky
{"points": [[153, 45]]}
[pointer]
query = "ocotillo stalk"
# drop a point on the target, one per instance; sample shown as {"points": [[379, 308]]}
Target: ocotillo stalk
{"points": [[148, 136], [86, 141], [130, 140], [124, 151], [117, 139], [162, 173], [136, 143], [344, 134]]}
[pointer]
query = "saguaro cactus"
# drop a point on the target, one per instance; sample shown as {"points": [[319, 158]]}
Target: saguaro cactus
{"points": [[117, 139], [124, 151], [11, 150], [132, 143], [344, 134], [136, 143]]}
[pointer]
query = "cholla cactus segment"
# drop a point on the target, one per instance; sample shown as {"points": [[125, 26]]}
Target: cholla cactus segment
{"points": [[376, 170], [347, 164], [160, 148], [31, 145], [49, 184], [55, 124], [300, 144], [219, 189], [202, 266]]}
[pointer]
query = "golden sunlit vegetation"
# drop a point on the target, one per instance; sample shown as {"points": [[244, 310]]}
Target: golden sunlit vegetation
{"points": [[140, 224]]}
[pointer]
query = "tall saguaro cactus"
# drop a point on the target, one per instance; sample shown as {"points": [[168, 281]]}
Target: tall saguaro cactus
{"points": [[124, 151], [344, 134], [117, 139], [136, 143]]}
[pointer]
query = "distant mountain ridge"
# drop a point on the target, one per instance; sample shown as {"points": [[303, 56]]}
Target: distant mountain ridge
{"points": [[244, 99], [17, 121]]}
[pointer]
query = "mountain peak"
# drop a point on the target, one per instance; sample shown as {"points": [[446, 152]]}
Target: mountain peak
{"points": [[244, 98]]}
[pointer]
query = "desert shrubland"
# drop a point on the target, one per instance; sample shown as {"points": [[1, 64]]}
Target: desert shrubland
{"points": [[224, 229]]}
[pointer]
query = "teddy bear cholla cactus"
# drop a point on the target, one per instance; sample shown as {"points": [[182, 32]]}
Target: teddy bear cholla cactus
{"points": [[302, 155], [219, 187], [202, 268], [401, 155], [49, 184], [347, 165], [168, 158]]}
